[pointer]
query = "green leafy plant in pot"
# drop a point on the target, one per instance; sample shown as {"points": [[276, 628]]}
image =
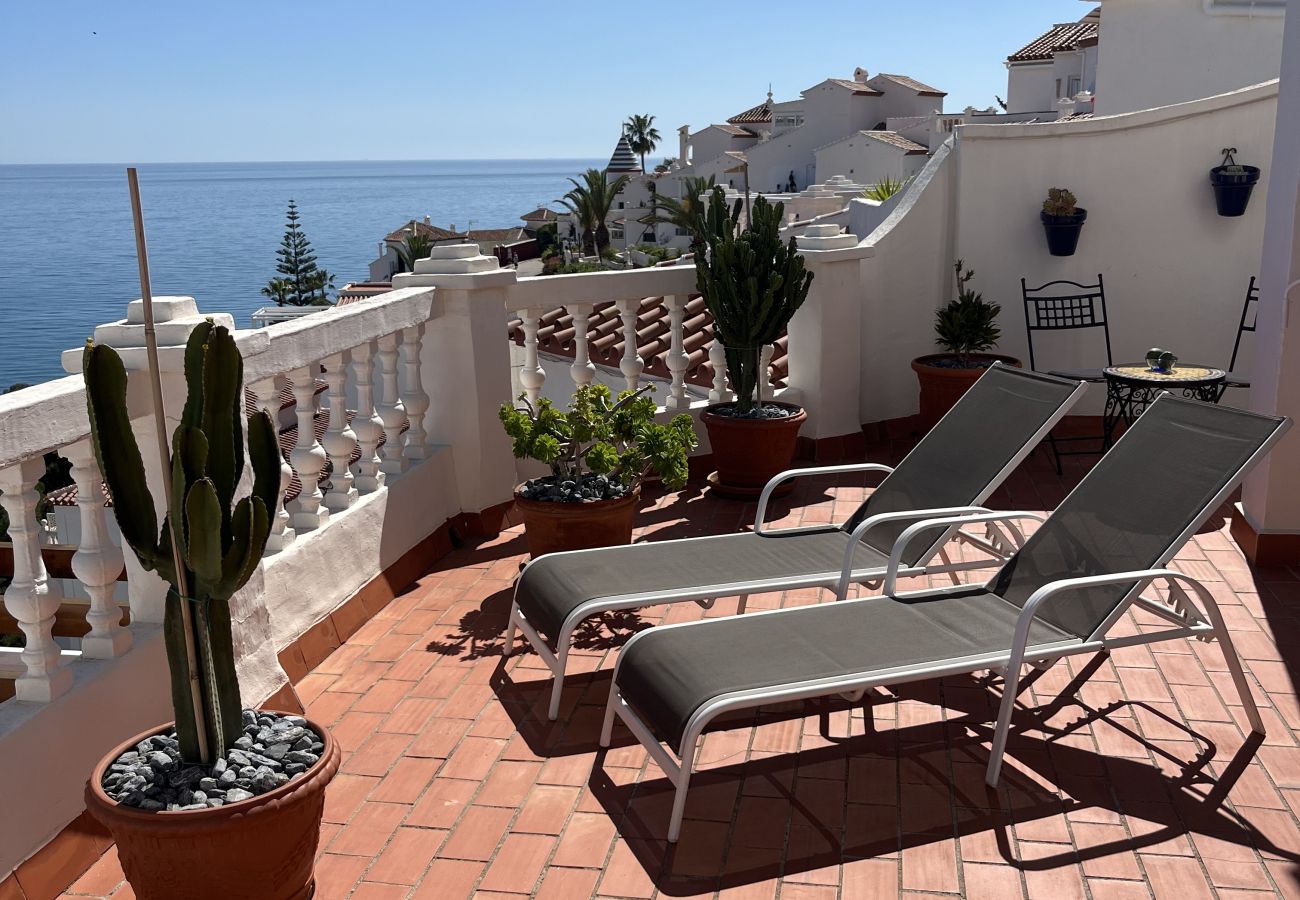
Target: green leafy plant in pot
{"points": [[752, 283], [233, 839], [966, 328], [1062, 221], [599, 452]]}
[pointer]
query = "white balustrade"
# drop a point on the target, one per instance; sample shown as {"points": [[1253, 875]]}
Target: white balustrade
{"points": [[308, 456], [415, 399], [98, 561], [677, 360], [339, 440], [718, 362], [391, 411], [582, 370], [631, 365], [366, 424], [29, 598], [532, 376], [282, 532]]}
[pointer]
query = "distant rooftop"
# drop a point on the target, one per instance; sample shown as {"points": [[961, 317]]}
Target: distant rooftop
{"points": [[424, 229], [1065, 36], [755, 115], [920, 87]]}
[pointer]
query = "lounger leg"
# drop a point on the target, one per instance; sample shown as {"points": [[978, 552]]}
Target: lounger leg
{"points": [[1010, 686], [509, 644], [607, 727], [1233, 660], [683, 782], [557, 681], [740, 604]]}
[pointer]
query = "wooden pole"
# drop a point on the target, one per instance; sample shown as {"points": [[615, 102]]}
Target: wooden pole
{"points": [[164, 456]]}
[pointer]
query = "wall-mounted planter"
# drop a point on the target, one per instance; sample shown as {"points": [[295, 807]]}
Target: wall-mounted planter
{"points": [[1063, 232], [1232, 187]]}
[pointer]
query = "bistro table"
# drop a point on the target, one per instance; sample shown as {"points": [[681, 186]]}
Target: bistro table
{"points": [[1131, 388]]}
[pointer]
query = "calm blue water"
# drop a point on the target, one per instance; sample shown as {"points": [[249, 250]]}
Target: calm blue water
{"points": [[67, 254]]}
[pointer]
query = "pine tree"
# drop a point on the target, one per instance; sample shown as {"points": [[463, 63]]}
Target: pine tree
{"points": [[301, 281]]}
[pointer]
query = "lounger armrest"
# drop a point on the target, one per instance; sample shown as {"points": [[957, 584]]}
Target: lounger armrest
{"points": [[946, 521], [777, 480], [1142, 577], [846, 571]]}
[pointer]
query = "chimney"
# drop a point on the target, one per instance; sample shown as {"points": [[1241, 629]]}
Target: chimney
{"points": [[683, 144], [1064, 108], [426, 221], [860, 75]]}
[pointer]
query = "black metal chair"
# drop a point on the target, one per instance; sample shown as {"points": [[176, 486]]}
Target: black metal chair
{"points": [[1068, 306], [1249, 314]]}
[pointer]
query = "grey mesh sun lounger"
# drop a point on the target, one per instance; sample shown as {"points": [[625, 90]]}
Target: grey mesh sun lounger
{"points": [[953, 469], [1058, 595]]}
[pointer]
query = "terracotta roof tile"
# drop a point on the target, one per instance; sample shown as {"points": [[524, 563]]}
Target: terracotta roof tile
{"points": [[606, 344], [755, 115], [432, 232], [856, 87], [908, 82], [541, 214], [1060, 37], [894, 139], [498, 235]]}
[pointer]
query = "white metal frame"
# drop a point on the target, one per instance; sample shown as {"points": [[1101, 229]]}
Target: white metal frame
{"points": [[706, 594], [1188, 622]]}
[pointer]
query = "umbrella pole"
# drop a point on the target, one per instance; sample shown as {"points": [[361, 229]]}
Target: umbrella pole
{"points": [[155, 386]]}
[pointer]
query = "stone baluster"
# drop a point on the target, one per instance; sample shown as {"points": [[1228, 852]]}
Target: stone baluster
{"points": [[532, 376], [718, 362], [308, 456], [339, 440], [765, 372], [367, 425], [415, 399], [582, 370], [677, 360], [391, 411], [29, 598], [631, 364], [282, 532], [98, 561]]}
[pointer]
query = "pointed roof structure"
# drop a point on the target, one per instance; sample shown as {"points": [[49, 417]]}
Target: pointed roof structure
{"points": [[624, 161]]}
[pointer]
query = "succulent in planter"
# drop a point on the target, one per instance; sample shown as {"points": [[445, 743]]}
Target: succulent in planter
{"points": [[601, 447], [752, 283], [968, 324], [1062, 221]]}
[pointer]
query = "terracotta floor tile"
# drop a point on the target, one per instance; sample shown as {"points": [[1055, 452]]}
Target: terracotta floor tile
{"points": [[345, 794], [585, 841], [336, 875], [442, 803], [369, 829], [1176, 878], [518, 864], [624, 876], [406, 780], [407, 856], [369, 890], [473, 759], [567, 884], [508, 783], [545, 809], [477, 834], [449, 879]]}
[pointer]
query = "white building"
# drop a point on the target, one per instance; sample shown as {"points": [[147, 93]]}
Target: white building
{"points": [[1060, 63]]}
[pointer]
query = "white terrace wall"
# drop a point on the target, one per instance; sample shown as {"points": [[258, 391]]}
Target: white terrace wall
{"points": [[1158, 52], [1175, 272]]}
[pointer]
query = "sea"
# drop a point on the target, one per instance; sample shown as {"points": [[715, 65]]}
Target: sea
{"points": [[67, 249]]}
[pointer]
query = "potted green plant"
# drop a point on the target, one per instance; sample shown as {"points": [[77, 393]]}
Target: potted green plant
{"points": [[965, 328], [752, 283], [599, 452], [223, 802], [1062, 222], [1232, 184]]}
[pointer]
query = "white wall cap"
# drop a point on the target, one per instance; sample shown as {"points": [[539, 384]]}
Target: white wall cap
{"points": [[465, 281], [454, 251], [42, 417], [164, 309]]}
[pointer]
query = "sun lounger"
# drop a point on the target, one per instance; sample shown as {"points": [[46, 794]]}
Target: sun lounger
{"points": [[1058, 595], [953, 469]]}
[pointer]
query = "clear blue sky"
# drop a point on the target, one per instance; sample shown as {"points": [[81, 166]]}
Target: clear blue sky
{"points": [[234, 80]]}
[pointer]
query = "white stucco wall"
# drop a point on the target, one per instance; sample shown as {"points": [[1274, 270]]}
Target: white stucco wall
{"points": [[1175, 272], [1157, 52], [1031, 87], [866, 160]]}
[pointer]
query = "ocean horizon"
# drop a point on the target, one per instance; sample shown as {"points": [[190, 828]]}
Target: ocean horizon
{"points": [[67, 251]]}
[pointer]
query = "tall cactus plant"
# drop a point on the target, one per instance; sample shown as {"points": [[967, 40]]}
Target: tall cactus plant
{"points": [[221, 539], [752, 283]]}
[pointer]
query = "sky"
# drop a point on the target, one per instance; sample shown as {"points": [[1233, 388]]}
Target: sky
{"points": [[126, 82]]}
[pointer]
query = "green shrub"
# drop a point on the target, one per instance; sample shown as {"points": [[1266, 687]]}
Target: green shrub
{"points": [[967, 325]]}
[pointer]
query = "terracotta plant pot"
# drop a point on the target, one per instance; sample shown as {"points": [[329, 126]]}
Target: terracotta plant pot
{"points": [[748, 452], [941, 387], [554, 527], [264, 847]]}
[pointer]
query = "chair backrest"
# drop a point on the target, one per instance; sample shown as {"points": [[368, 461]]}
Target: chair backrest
{"points": [[1249, 314], [1064, 305], [969, 451], [1170, 471]]}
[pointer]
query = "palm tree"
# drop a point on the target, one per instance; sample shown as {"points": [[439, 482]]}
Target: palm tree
{"points": [[641, 135], [415, 247], [590, 202], [686, 213]]}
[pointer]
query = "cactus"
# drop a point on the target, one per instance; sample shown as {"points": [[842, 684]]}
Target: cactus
{"points": [[221, 540], [752, 283]]}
